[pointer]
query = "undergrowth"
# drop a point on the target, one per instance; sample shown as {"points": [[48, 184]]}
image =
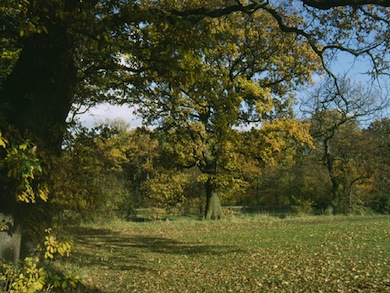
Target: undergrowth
{"points": [[40, 273]]}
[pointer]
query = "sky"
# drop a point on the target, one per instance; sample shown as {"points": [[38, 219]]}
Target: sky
{"points": [[104, 112]]}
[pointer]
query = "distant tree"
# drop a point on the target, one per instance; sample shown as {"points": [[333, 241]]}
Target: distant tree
{"points": [[336, 113], [275, 148], [165, 190], [142, 156], [378, 134], [88, 179]]}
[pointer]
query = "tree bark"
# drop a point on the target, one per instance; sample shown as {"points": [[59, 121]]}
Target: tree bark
{"points": [[35, 99], [332, 208], [37, 95], [213, 206], [10, 239]]}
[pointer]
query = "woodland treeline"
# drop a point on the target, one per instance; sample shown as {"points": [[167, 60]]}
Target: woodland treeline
{"points": [[327, 164]]}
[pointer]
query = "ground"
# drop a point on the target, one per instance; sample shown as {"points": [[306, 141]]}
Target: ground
{"points": [[250, 254]]}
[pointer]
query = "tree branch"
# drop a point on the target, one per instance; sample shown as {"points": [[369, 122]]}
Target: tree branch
{"points": [[199, 13], [328, 4]]}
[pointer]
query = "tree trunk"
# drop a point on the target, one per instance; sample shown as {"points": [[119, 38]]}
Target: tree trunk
{"points": [[333, 206], [37, 96], [10, 239], [213, 206], [35, 99]]}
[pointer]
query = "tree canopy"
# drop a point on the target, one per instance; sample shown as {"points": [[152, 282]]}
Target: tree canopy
{"points": [[116, 51]]}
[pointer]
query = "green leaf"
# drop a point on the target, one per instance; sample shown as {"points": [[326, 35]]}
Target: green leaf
{"points": [[3, 141]]}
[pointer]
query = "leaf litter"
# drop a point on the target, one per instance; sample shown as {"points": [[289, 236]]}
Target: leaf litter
{"points": [[341, 254]]}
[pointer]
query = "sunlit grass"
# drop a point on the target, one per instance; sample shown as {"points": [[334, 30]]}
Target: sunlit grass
{"points": [[249, 254]]}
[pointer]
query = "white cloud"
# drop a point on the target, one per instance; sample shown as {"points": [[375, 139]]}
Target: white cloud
{"points": [[103, 112]]}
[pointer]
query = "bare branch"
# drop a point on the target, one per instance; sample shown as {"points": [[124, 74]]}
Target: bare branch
{"points": [[202, 12], [329, 4]]}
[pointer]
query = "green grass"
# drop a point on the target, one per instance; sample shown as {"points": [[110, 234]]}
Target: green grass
{"points": [[253, 254]]}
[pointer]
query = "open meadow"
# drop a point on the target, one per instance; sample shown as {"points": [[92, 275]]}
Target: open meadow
{"points": [[249, 254]]}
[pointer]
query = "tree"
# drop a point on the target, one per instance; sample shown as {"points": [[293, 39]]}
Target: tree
{"points": [[78, 47], [153, 180], [275, 148], [378, 133], [83, 52], [141, 166], [336, 113], [249, 82], [88, 179]]}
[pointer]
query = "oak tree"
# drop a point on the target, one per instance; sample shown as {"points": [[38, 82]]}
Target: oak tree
{"points": [[220, 86]]}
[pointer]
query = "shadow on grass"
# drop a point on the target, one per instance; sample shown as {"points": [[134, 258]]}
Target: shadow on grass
{"points": [[119, 251], [110, 257]]}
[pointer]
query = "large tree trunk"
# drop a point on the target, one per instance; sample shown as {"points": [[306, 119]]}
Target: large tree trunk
{"points": [[37, 96], [10, 239], [213, 206], [35, 99]]}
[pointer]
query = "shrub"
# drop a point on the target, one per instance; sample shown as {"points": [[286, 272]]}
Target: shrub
{"points": [[227, 212], [302, 206], [36, 274]]}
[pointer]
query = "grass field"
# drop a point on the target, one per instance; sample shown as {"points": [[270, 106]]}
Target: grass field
{"points": [[252, 254]]}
